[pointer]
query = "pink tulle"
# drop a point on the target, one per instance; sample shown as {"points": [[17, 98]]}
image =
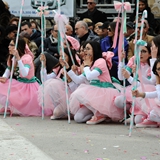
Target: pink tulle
{"points": [[101, 99], [22, 99], [54, 95]]}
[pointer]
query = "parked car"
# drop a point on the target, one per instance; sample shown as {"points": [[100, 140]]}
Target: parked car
{"points": [[52, 4]]}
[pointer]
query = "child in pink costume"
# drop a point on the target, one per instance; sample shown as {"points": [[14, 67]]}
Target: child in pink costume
{"points": [[153, 119], [148, 79], [23, 91], [99, 95], [54, 87]]}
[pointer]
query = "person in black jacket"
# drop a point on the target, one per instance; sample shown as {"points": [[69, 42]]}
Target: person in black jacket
{"points": [[143, 5], [51, 43], [93, 13], [34, 34]]}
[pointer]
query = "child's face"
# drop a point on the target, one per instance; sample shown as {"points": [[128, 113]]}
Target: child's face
{"points": [[65, 56], [145, 55], [158, 69]]}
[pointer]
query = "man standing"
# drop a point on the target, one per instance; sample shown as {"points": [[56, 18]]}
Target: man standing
{"points": [[34, 34], [83, 33], [93, 13]]}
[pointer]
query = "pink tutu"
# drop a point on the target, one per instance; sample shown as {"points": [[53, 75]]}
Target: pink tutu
{"points": [[22, 99], [54, 95], [101, 99], [140, 103]]}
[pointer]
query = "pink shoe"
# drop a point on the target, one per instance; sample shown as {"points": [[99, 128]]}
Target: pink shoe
{"points": [[147, 124], [96, 120]]}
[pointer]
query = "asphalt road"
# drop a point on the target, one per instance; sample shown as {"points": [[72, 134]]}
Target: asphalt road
{"points": [[31, 138]]}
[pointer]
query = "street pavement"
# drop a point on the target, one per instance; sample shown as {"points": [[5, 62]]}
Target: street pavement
{"points": [[31, 138]]}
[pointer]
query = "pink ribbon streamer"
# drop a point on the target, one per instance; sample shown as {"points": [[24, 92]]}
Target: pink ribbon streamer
{"points": [[42, 10], [108, 57], [120, 7]]}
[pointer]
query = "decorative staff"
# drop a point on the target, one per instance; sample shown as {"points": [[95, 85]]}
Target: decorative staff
{"points": [[121, 8], [62, 20], [13, 59], [42, 11], [138, 43]]}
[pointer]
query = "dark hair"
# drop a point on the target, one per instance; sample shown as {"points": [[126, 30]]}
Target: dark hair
{"points": [[20, 46], [155, 67], [66, 51], [156, 41], [97, 52], [149, 51], [14, 19], [36, 24], [113, 26], [146, 6], [26, 23]]}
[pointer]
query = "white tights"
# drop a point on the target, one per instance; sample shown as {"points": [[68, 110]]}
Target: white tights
{"points": [[83, 115], [139, 118], [118, 102], [154, 117]]}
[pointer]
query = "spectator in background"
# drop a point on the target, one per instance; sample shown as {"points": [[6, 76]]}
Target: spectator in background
{"points": [[14, 21], [93, 13], [83, 33], [107, 45], [143, 5], [4, 51], [50, 50], [145, 37], [34, 34], [104, 29], [89, 23], [34, 25], [11, 32], [51, 43], [7, 7], [31, 44], [69, 30], [130, 31], [5, 37], [96, 27], [5, 15]]}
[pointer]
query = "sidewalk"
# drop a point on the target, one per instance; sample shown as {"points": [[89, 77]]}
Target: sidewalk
{"points": [[15, 147]]}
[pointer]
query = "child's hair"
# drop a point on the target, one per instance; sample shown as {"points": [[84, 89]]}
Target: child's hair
{"points": [[97, 52], [73, 52], [155, 66], [20, 46], [156, 41], [149, 51]]}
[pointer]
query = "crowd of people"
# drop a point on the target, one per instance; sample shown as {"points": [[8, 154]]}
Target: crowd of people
{"points": [[94, 81]]}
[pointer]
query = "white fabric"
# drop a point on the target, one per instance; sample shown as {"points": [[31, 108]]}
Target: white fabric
{"points": [[6, 73], [139, 118], [22, 69], [151, 94], [43, 72], [153, 77], [119, 102], [158, 91], [83, 115], [73, 86], [154, 117], [78, 79], [144, 73], [91, 75], [120, 67]]}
